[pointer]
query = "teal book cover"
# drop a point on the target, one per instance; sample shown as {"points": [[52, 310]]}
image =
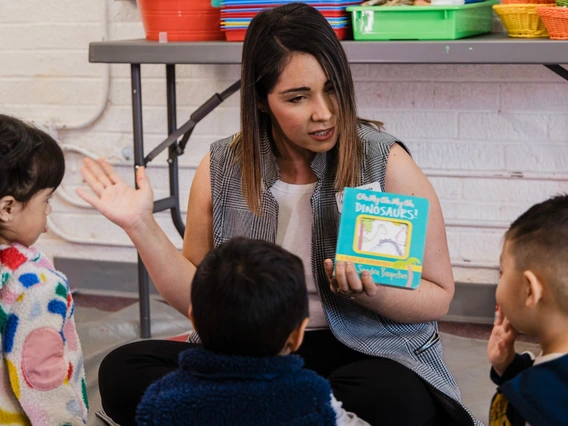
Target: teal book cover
{"points": [[383, 234]]}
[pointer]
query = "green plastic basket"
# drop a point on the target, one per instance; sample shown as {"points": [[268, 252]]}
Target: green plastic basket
{"points": [[422, 22], [562, 3]]}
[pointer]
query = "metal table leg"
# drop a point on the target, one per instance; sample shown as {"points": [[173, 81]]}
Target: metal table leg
{"points": [[173, 149], [143, 281]]}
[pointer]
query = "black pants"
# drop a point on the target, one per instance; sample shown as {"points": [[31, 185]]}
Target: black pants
{"points": [[378, 390]]}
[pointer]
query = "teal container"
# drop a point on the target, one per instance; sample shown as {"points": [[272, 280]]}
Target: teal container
{"points": [[421, 22]]}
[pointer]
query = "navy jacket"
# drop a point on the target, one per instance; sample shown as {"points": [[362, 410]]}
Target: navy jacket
{"points": [[537, 395], [212, 389]]}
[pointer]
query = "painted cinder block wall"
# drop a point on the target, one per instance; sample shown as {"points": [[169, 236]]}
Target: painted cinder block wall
{"points": [[464, 124]]}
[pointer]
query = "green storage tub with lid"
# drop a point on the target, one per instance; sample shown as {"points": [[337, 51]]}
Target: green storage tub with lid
{"points": [[421, 22]]}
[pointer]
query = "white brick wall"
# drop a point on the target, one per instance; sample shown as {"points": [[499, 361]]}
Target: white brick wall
{"points": [[464, 118]]}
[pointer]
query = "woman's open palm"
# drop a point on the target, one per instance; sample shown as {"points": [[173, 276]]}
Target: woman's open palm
{"points": [[117, 201]]}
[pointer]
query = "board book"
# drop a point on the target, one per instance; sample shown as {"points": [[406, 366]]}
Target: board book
{"points": [[383, 234]]}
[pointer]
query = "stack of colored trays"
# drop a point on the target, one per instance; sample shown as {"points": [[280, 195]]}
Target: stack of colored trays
{"points": [[237, 14]]}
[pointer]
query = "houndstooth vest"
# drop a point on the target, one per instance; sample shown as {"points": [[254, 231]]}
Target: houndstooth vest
{"points": [[416, 346]]}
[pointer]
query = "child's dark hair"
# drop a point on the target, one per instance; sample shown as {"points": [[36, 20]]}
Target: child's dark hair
{"points": [[247, 297], [30, 160], [539, 241]]}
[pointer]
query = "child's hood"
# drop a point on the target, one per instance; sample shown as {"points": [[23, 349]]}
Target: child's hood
{"points": [[14, 256]]}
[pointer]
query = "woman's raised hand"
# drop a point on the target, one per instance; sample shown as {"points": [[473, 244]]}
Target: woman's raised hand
{"points": [[117, 201]]}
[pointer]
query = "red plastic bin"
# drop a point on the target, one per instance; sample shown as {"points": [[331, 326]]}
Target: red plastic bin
{"points": [[182, 20]]}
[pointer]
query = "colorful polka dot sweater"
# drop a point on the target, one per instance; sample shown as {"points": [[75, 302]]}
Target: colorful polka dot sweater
{"points": [[42, 379]]}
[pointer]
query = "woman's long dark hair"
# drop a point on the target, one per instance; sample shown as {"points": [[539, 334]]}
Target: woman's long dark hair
{"points": [[273, 35]]}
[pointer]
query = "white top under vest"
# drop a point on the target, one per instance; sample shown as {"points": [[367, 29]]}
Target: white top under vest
{"points": [[295, 221]]}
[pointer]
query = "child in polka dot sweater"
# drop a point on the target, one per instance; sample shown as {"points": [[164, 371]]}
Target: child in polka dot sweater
{"points": [[42, 379]]}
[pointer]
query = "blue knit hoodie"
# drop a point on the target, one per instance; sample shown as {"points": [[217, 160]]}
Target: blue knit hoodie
{"points": [[212, 389]]}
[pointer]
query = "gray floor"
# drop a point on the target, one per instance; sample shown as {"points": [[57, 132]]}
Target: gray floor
{"points": [[101, 331]]}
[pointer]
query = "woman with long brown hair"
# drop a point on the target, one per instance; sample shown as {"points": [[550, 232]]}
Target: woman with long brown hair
{"points": [[300, 143]]}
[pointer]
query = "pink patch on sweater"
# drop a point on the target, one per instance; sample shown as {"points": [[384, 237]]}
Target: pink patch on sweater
{"points": [[35, 414], [45, 263], [7, 296], [71, 336], [43, 365]]}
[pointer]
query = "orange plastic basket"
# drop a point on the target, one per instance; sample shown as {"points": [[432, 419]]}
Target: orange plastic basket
{"points": [[181, 20], [522, 20], [529, 1], [556, 21]]}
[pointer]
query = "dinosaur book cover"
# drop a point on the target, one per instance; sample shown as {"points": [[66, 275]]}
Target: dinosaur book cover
{"points": [[383, 234]]}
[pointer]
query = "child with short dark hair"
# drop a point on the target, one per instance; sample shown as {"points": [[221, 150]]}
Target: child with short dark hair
{"points": [[41, 371], [249, 306], [532, 298]]}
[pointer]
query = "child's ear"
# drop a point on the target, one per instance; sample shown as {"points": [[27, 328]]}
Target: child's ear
{"points": [[297, 336], [534, 287], [7, 204]]}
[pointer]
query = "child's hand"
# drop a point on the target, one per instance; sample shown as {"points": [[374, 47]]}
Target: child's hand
{"points": [[501, 346]]}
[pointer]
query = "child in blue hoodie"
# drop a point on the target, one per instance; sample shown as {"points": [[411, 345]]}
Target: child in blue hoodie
{"points": [[249, 307], [532, 298]]}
